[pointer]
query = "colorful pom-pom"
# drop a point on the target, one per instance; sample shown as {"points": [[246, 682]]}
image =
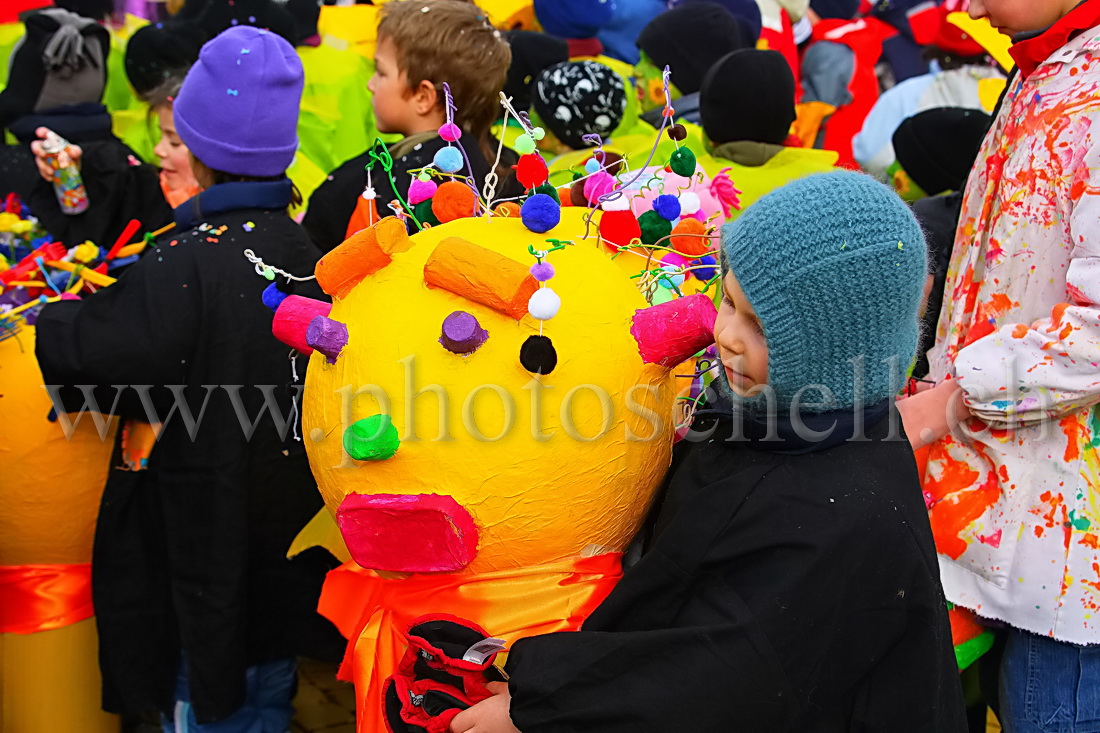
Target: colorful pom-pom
{"points": [[677, 132], [272, 296], [682, 162], [452, 201], [676, 260], [598, 185], [508, 209], [424, 215], [448, 160], [544, 304], [421, 190], [538, 133], [542, 271], [549, 190], [668, 206], [531, 171], [450, 132], [689, 203], [619, 228], [615, 203], [673, 279], [689, 237], [423, 176], [654, 227], [540, 213], [591, 166], [537, 355], [705, 267], [525, 145]]}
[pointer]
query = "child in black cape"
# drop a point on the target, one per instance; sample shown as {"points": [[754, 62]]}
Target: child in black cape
{"points": [[200, 614], [790, 581]]}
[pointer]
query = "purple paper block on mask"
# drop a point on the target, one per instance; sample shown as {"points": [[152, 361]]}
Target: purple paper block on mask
{"points": [[462, 334], [327, 336]]}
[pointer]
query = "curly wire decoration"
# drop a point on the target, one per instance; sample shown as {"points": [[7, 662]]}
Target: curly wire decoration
{"points": [[666, 76], [451, 109], [261, 267]]}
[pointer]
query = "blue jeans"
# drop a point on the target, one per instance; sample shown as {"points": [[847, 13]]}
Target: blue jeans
{"points": [[1049, 686], [266, 708]]}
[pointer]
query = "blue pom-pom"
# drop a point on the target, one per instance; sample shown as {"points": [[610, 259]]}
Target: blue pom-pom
{"points": [[706, 273], [667, 207], [448, 160], [591, 166], [540, 213], [272, 296]]}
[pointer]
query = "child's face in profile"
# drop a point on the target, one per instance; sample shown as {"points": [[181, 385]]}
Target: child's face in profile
{"points": [[175, 159], [1018, 16], [390, 89], [740, 340]]}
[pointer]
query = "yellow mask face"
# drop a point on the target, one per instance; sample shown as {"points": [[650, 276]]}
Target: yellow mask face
{"points": [[497, 467]]}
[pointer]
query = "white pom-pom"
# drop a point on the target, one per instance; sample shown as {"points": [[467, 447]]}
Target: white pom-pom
{"points": [[369, 193], [689, 203], [619, 203], [544, 304]]}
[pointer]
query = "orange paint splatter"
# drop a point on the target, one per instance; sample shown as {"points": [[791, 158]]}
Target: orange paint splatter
{"points": [[1090, 540], [1071, 428], [950, 516], [1020, 331]]}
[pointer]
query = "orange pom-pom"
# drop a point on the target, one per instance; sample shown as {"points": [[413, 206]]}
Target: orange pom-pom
{"points": [[509, 209], [452, 201], [619, 228], [689, 238], [531, 171]]}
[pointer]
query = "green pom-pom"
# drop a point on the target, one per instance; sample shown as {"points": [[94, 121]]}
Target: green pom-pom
{"points": [[538, 133], [578, 175], [525, 144], [269, 273], [373, 438], [424, 214], [549, 190], [654, 227], [682, 162]]}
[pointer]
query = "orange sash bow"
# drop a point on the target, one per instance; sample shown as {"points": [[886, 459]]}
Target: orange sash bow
{"points": [[373, 612]]}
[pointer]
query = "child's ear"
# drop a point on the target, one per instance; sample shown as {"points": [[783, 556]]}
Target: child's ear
{"points": [[425, 97]]}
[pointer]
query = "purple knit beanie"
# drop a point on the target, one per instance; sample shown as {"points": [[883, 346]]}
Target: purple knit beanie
{"points": [[238, 108]]}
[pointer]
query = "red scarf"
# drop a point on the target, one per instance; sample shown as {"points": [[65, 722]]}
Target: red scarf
{"points": [[1032, 52]]}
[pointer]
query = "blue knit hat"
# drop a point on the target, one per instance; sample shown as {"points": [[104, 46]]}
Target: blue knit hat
{"points": [[574, 18], [238, 108], [834, 266]]}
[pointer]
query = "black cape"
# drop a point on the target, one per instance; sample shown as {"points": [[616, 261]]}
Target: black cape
{"points": [[332, 204], [779, 592], [190, 554]]}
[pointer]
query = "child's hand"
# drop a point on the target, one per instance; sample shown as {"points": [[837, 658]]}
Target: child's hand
{"points": [[488, 716], [45, 167], [933, 413]]}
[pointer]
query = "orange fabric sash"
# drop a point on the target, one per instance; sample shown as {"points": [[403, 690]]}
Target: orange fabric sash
{"points": [[373, 612], [44, 597]]}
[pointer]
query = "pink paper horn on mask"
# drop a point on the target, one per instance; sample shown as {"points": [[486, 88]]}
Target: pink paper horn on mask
{"points": [[292, 319], [671, 333]]}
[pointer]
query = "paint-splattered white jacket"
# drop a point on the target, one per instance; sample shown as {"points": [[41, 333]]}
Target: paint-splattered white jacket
{"points": [[1016, 511]]}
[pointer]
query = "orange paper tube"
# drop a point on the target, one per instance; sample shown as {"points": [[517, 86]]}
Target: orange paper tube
{"points": [[481, 275]]}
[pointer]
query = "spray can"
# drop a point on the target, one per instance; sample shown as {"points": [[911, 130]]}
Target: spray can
{"points": [[68, 184]]}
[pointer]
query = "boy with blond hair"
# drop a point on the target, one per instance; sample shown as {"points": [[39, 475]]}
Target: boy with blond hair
{"points": [[421, 45], [1015, 496]]}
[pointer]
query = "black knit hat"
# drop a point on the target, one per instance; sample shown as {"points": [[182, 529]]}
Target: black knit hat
{"points": [[161, 50], [579, 98], [94, 9], [937, 147], [221, 15], [843, 9], [306, 13], [60, 61], [531, 53], [690, 38], [748, 95]]}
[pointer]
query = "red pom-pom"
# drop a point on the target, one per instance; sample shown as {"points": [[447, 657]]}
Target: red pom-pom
{"points": [[452, 201], [619, 228], [689, 238], [531, 171]]}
